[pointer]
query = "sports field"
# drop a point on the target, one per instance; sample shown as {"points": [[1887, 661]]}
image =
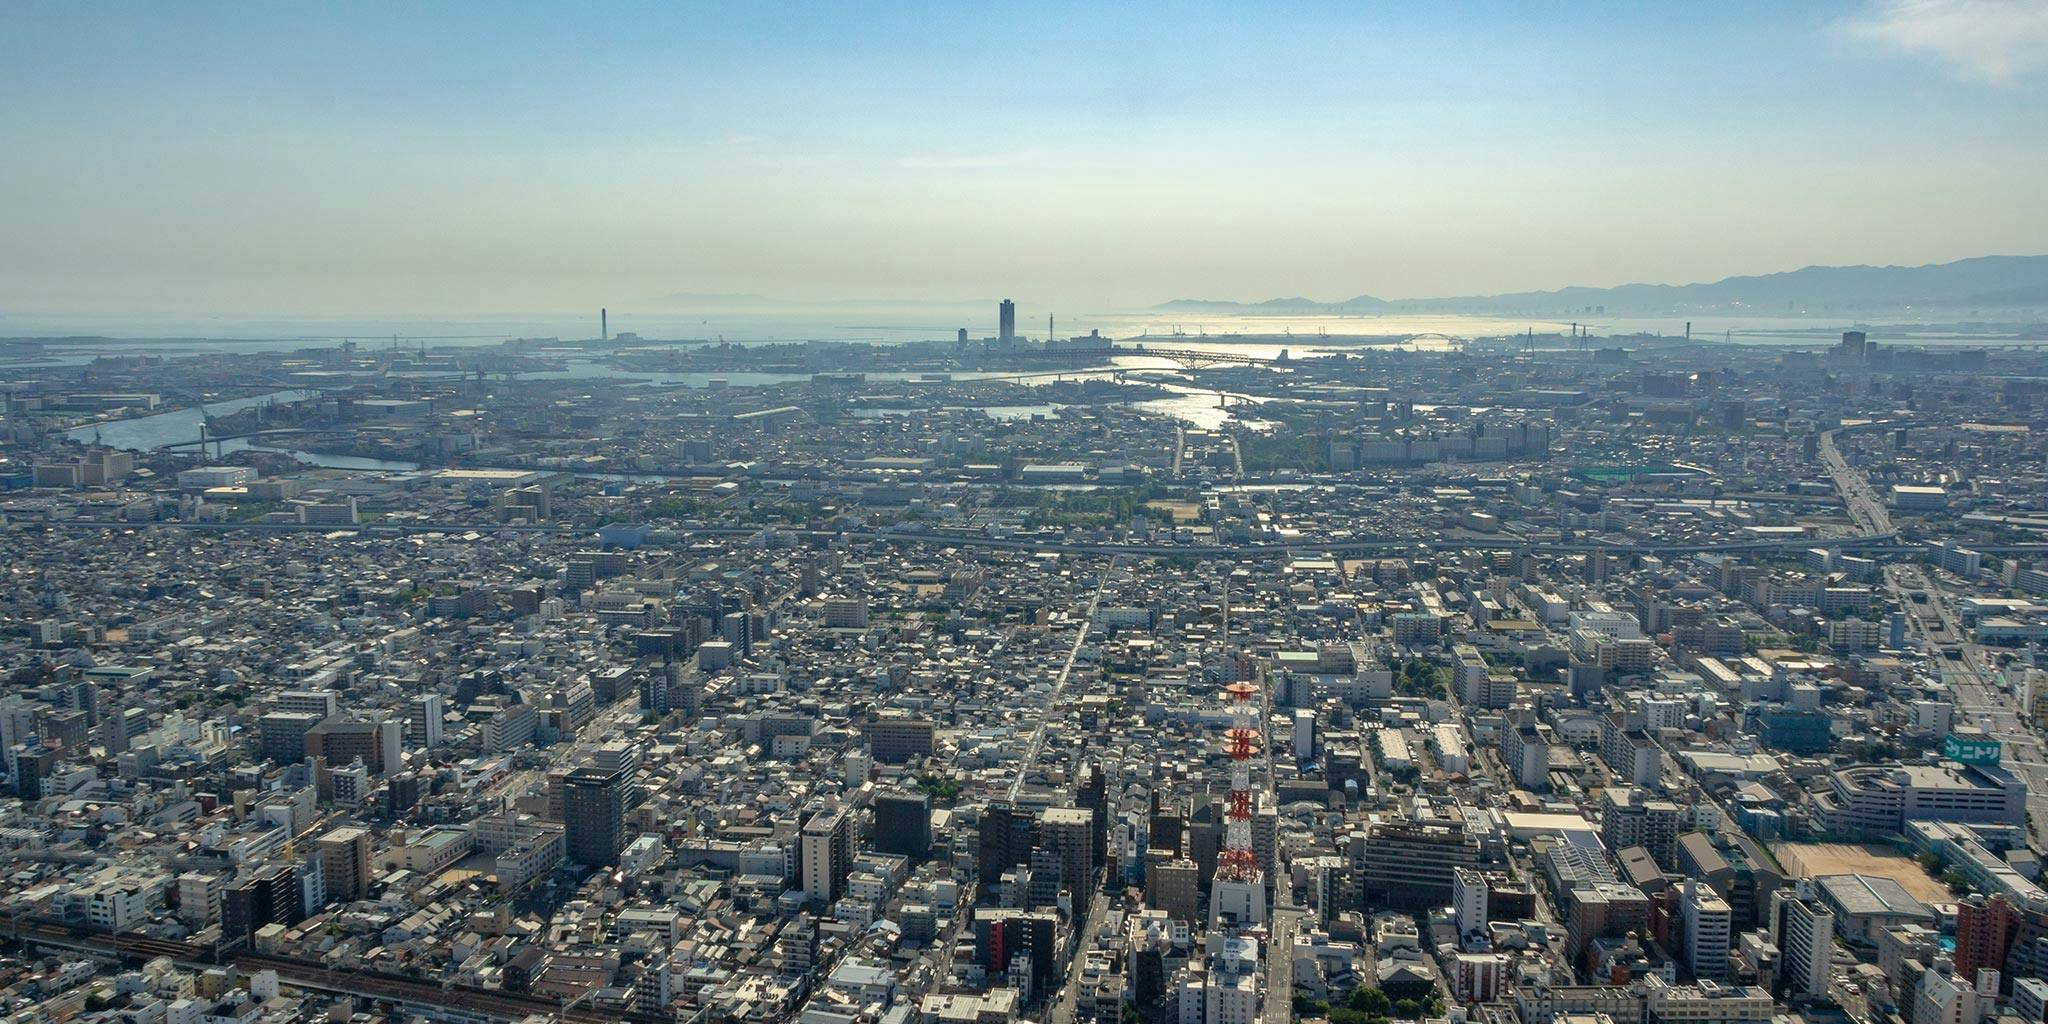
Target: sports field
{"points": [[1812, 860]]}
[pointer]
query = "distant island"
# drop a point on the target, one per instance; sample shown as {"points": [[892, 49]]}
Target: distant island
{"points": [[1985, 282]]}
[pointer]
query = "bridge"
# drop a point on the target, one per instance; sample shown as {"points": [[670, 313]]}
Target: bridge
{"points": [[1196, 358], [208, 437], [1191, 358], [1454, 344]]}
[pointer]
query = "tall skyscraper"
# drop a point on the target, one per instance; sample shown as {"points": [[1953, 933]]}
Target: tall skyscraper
{"points": [[1006, 321], [594, 809]]}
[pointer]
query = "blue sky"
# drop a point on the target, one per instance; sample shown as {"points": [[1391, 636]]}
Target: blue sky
{"points": [[387, 158]]}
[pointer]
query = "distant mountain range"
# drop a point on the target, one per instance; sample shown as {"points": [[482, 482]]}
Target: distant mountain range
{"points": [[1986, 282]]}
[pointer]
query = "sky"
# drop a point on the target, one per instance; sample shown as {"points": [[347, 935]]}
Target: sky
{"points": [[511, 158]]}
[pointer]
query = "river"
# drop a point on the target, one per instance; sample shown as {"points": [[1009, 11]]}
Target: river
{"points": [[1196, 406]]}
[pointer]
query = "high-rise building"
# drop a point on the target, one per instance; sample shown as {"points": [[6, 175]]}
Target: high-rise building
{"points": [[199, 898], [342, 741], [425, 718], [1172, 884], [1985, 929], [1005, 841], [1468, 901], [846, 612], [903, 824], [31, 766], [269, 896], [1231, 986], [594, 812], [1803, 929], [325, 703], [282, 735], [1599, 910], [1737, 869], [1629, 817], [1069, 832], [826, 855], [1092, 792], [1003, 938], [1006, 321], [1705, 916], [345, 869]]}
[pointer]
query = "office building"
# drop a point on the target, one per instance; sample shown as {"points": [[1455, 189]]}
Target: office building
{"points": [[426, 715], [1007, 834], [1409, 864], [903, 824], [900, 739], [594, 813]]}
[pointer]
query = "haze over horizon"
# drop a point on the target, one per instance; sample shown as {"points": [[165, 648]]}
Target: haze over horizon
{"points": [[392, 159]]}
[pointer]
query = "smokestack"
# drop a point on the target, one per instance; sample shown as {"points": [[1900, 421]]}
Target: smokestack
{"points": [[1688, 330], [604, 327]]}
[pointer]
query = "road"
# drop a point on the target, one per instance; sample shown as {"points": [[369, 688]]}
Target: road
{"points": [[1874, 544], [1978, 699], [1063, 1006], [1062, 1009], [1286, 920], [1059, 687], [1866, 509], [1971, 681], [1285, 916]]}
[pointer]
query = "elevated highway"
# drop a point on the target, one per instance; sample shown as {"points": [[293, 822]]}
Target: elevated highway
{"points": [[1880, 544]]}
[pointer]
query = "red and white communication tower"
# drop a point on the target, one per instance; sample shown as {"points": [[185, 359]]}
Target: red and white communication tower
{"points": [[1237, 862]]}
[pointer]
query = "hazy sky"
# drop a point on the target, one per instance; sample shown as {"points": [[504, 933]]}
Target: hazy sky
{"points": [[363, 157]]}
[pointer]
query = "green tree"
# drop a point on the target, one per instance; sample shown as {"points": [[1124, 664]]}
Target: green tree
{"points": [[1370, 1001]]}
